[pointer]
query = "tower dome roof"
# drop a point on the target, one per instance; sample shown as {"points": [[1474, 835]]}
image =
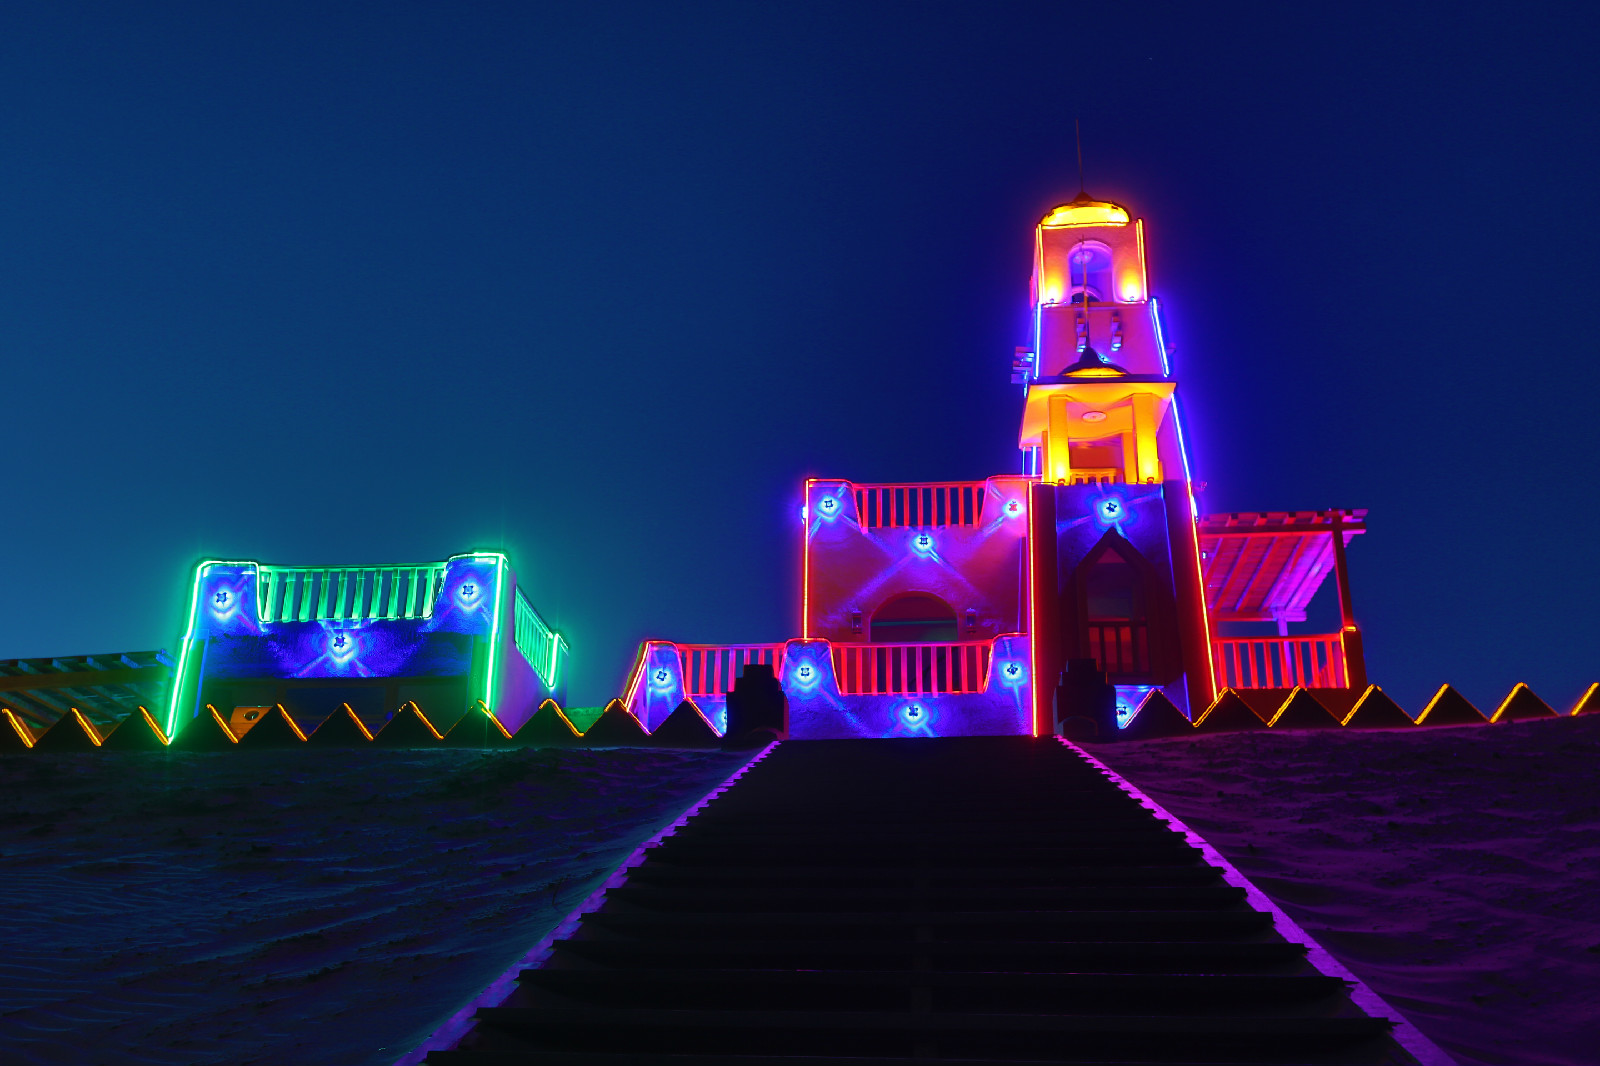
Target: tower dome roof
{"points": [[1086, 211]]}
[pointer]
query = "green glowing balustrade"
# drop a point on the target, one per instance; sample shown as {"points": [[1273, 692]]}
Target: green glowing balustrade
{"points": [[347, 593], [538, 643]]}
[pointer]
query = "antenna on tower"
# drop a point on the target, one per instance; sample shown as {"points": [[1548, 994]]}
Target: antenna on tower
{"points": [[1077, 132], [1083, 247]]}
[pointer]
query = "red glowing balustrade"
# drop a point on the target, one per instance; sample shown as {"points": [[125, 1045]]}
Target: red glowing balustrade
{"points": [[711, 669]]}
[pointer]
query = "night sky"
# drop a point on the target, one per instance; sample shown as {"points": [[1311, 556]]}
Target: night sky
{"points": [[600, 284]]}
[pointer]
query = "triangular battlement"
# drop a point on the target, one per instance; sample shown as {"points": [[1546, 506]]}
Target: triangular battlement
{"points": [[1521, 705], [1375, 710], [341, 729], [409, 728], [686, 727], [1156, 717], [137, 732], [275, 729], [616, 728], [548, 728], [1302, 710], [206, 732], [1449, 707], [71, 732], [1229, 713], [478, 728], [15, 734]]}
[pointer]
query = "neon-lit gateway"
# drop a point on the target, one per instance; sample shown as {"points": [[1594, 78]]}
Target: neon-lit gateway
{"points": [[931, 609], [445, 634]]}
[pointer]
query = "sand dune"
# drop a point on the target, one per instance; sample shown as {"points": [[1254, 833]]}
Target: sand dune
{"points": [[296, 906], [1455, 870]]}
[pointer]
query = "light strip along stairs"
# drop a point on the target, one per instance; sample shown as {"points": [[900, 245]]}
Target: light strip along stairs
{"points": [[977, 900]]}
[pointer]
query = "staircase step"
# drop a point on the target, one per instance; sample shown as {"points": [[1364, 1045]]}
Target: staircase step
{"points": [[1150, 956], [954, 992], [712, 1032], [970, 902]]}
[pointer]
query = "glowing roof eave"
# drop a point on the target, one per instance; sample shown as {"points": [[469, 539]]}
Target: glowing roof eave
{"points": [[1269, 569], [1081, 214]]}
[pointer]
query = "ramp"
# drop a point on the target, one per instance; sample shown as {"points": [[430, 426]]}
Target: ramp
{"points": [[973, 900]]}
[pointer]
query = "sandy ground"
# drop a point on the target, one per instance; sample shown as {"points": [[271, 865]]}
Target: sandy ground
{"points": [[1455, 870], [296, 906]]}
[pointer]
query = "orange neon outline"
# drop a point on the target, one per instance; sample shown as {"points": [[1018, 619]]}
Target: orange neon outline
{"points": [[1590, 695], [351, 711], [1356, 706], [23, 732], [1217, 699], [561, 714], [1293, 692], [422, 715], [294, 725], [1520, 686], [624, 708], [88, 727], [150, 721], [218, 719], [495, 721], [1437, 696]]}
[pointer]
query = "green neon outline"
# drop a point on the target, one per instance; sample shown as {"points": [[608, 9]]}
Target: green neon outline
{"points": [[555, 657], [494, 629], [493, 675], [188, 636], [537, 643]]}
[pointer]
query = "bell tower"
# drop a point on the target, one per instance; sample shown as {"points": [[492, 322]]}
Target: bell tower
{"points": [[1114, 565]]}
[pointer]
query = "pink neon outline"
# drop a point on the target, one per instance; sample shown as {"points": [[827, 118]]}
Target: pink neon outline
{"points": [[1408, 1036], [450, 1033]]}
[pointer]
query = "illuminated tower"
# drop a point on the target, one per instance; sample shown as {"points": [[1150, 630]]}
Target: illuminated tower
{"points": [[1114, 564], [1008, 605]]}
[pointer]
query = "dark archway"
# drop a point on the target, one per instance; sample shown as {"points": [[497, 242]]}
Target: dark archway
{"points": [[1121, 611], [914, 618]]}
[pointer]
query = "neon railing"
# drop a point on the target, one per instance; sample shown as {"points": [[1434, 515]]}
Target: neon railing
{"points": [[340, 593], [941, 503], [912, 669], [1280, 662], [539, 644], [711, 669]]}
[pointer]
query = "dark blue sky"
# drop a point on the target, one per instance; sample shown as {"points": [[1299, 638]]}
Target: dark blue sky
{"points": [[600, 283]]}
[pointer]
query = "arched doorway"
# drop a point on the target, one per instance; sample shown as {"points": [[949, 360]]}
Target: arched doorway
{"points": [[914, 618]]}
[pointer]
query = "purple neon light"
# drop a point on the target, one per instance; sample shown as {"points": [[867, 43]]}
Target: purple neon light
{"points": [[451, 1032], [1408, 1036]]}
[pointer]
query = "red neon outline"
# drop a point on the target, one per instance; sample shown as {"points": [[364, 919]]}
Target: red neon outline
{"points": [[805, 564]]}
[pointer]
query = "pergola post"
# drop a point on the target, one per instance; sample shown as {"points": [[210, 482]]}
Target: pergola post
{"points": [[1355, 660]]}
